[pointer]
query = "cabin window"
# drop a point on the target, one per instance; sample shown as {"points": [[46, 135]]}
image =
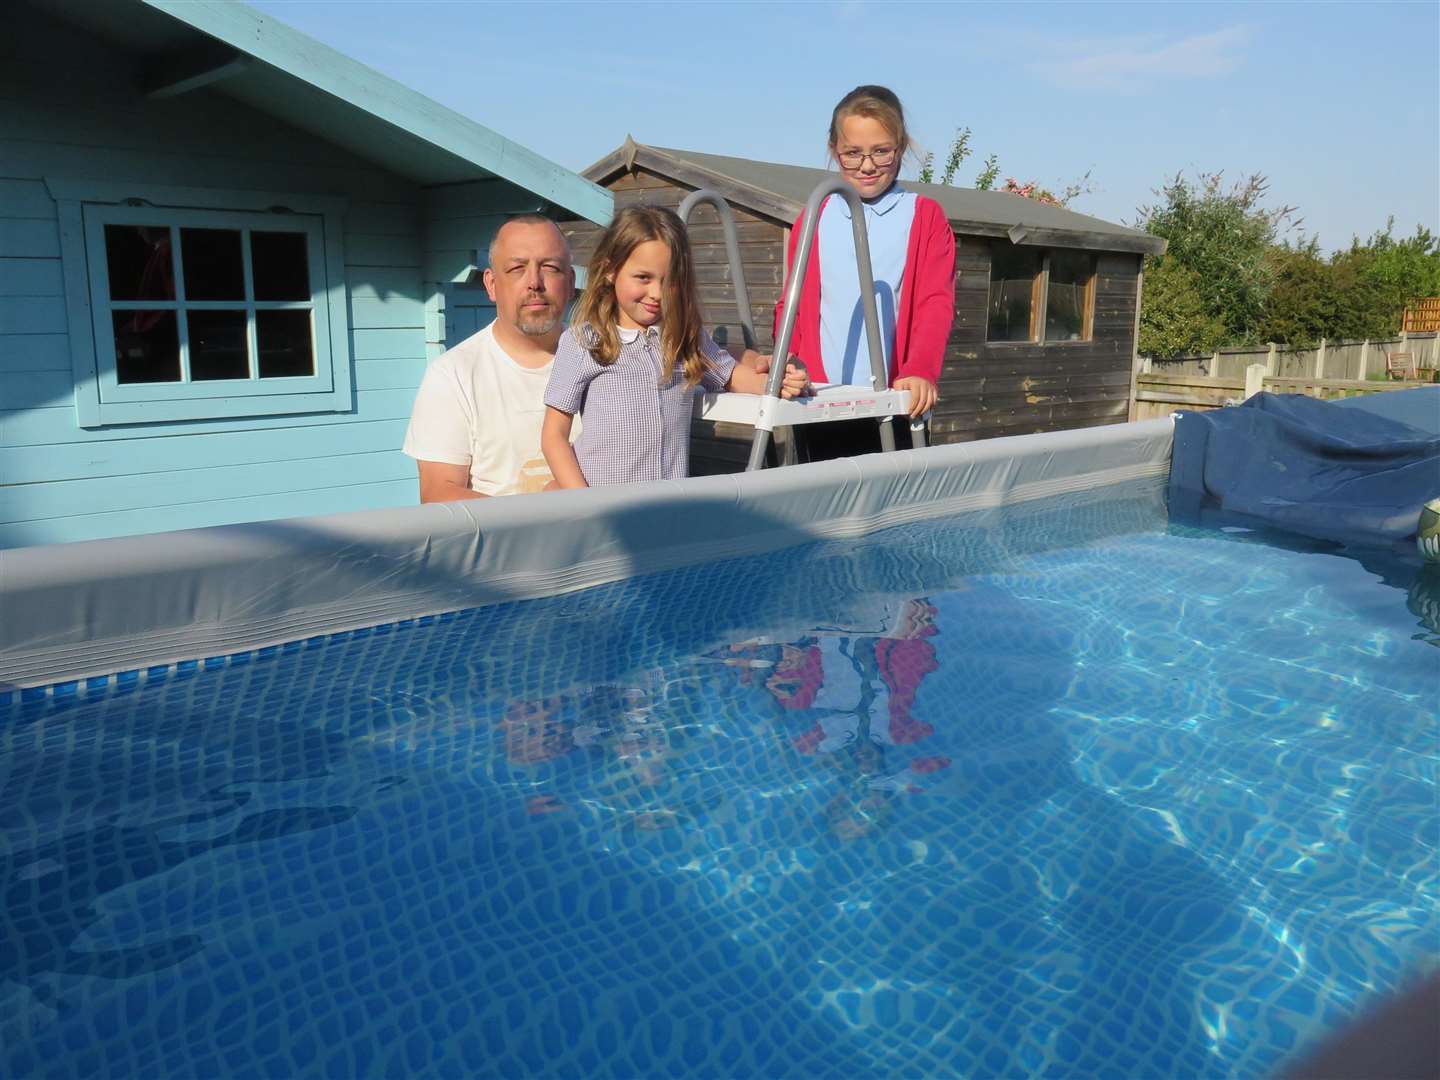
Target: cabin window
{"points": [[200, 305], [201, 314], [1042, 297]]}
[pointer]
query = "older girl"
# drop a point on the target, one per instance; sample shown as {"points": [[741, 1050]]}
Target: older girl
{"points": [[912, 254], [632, 358]]}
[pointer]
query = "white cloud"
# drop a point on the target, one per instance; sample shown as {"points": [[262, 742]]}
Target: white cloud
{"points": [[1133, 62]]}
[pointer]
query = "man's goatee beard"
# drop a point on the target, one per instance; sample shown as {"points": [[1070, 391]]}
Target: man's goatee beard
{"points": [[537, 328]]}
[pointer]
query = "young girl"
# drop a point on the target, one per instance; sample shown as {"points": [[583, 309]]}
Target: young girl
{"points": [[912, 255], [631, 360]]}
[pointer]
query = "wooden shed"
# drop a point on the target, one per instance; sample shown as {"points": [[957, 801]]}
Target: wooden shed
{"points": [[1046, 301], [227, 253]]}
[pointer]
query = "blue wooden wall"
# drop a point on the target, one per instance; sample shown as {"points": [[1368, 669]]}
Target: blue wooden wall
{"points": [[402, 244], [459, 222]]}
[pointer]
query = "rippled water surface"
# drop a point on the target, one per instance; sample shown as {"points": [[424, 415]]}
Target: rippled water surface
{"points": [[1062, 791]]}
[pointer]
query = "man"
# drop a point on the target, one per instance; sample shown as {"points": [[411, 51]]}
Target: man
{"points": [[475, 428]]}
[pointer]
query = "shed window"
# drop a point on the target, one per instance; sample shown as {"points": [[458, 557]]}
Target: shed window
{"points": [[1014, 293], [1069, 277], [182, 313], [1028, 282]]}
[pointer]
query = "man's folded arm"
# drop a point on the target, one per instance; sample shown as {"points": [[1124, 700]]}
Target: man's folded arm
{"points": [[442, 482]]}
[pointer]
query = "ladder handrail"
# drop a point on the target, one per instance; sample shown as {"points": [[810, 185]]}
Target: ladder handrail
{"points": [[732, 252], [878, 374]]}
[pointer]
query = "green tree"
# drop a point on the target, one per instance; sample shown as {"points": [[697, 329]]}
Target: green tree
{"points": [[1222, 235], [1400, 270], [1174, 318], [1357, 293], [1303, 305]]}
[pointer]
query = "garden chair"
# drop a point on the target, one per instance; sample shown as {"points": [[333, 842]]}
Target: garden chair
{"points": [[1400, 365]]}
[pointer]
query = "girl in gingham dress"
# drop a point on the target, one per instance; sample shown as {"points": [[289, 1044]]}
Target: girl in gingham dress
{"points": [[632, 358]]}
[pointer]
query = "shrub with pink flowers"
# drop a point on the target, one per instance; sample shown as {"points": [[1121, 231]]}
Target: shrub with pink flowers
{"points": [[1031, 190]]}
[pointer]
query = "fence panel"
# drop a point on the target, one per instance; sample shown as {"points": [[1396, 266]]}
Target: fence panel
{"points": [[1296, 363], [1161, 393], [1343, 359]]}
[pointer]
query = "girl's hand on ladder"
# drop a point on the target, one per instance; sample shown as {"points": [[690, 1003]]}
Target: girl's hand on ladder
{"points": [[922, 394], [797, 382]]}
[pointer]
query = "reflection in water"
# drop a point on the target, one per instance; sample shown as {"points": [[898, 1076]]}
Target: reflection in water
{"points": [[626, 734], [1423, 601], [1397, 566], [856, 689], [859, 689], [928, 740]]}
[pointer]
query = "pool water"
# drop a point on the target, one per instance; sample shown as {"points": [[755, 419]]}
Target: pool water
{"points": [[1062, 791]]}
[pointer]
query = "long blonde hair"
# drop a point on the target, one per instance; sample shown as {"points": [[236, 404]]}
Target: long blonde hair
{"points": [[597, 314]]}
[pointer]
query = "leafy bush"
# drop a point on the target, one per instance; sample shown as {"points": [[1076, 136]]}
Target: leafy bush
{"points": [[1173, 318], [1229, 277], [1221, 235]]}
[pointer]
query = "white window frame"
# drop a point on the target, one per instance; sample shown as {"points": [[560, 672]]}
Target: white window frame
{"points": [[85, 207]]}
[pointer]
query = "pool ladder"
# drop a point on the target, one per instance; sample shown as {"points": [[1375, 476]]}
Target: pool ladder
{"points": [[837, 403]]}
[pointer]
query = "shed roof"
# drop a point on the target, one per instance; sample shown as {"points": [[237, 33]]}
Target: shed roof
{"points": [[253, 58], [779, 192]]}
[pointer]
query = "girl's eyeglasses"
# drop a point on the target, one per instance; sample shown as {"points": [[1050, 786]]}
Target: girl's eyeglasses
{"points": [[853, 159]]}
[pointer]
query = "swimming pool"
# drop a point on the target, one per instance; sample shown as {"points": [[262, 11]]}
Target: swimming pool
{"points": [[1057, 790]]}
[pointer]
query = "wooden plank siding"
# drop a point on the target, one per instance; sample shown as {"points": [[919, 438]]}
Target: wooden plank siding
{"points": [[990, 388], [986, 389], [87, 118]]}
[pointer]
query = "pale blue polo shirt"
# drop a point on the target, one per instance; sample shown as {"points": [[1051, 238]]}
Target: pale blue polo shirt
{"points": [[842, 320]]}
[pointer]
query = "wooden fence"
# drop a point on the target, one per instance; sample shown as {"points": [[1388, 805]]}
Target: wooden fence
{"points": [[1353, 360], [1159, 394], [1422, 315]]}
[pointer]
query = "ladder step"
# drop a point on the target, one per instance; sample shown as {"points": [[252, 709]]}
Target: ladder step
{"points": [[829, 403]]}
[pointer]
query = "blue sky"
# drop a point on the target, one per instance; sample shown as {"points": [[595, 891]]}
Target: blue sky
{"points": [[1337, 103]]}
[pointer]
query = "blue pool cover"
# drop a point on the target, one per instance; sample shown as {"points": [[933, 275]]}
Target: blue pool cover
{"points": [[1355, 474]]}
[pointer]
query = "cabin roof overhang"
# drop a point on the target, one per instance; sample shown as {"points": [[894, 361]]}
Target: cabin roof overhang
{"points": [[778, 193], [249, 56]]}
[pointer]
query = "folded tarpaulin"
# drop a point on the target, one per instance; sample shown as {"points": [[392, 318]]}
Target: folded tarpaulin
{"points": [[1306, 466]]}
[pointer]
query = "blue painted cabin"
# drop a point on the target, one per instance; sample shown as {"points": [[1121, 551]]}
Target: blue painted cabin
{"points": [[227, 253]]}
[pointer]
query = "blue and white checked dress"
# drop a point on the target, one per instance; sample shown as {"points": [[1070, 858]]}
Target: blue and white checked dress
{"points": [[633, 427]]}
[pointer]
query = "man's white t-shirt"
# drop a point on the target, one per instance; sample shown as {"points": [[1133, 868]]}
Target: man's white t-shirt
{"points": [[478, 407]]}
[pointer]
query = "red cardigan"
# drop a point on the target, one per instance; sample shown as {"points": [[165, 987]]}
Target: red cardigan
{"points": [[925, 310]]}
